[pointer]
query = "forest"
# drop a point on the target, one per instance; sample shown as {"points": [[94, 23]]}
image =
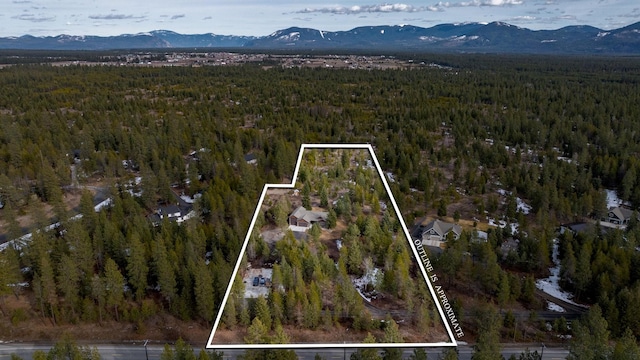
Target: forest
{"points": [[350, 268], [557, 132]]}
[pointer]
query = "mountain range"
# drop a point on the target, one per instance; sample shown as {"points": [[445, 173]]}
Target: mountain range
{"points": [[495, 37]]}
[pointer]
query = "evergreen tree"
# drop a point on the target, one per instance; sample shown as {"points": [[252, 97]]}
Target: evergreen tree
{"points": [[626, 348], [391, 335], [418, 354], [67, 349], [257, 333], [367, 353], [449, 354], [9, 273], [47, 286], [261, 311], [590, 339], [204, 291], [98, 293], [68, 281], [488, 343], [164, 273], [137, 269], [113, 286]]}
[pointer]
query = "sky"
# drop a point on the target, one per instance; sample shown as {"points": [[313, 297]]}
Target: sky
{"points": [[262, 17]]}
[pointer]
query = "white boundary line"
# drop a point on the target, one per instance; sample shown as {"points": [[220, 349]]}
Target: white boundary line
{"points": [[303, 147]]}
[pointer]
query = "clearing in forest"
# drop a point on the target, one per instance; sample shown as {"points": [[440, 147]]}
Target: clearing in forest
{"points": [[328, 262]]}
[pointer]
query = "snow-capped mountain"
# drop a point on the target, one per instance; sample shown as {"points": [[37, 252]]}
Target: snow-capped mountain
{"points": [[495, 37]]}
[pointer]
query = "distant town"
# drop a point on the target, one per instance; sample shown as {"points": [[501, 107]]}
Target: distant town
{"points": [[198, 59]]}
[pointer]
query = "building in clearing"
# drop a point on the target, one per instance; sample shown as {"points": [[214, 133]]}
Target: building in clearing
{"points": [[306, 218], [435, 233], [619, 216]]}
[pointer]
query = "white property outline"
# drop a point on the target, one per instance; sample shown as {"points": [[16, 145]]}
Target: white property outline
{"points": [[304, 147]]}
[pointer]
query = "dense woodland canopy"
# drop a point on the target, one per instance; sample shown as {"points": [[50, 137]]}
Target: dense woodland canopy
{"points": [[474, 123]]}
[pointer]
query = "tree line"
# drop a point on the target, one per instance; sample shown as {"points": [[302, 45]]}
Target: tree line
{"points": [[555, 132]]}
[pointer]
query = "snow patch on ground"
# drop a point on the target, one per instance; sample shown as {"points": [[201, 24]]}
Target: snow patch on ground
{"points": [[102, 205], [555, 307], [500, 223], [390, 176], [368, 278], [187, 199], [551, 284], [514, 226], [613, 201], [521, 206]]}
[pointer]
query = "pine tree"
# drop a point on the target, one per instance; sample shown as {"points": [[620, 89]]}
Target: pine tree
{"points": [[164, 273], [204, 291], [183, 351], [449, 354], [113, 285], [391, 335], [488, 343], [98, 293], [367, 353], [257, 333], [261, 311], [68, 281], [418, 354], [137, 269], [504, 292], [626, 347], [9, 273], [48, 285], [79, 243], [590, 339]]}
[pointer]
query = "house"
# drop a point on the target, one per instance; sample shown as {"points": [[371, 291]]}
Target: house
{"points": [[618, 216], [576, 228], [251, 159], [306, 218], [435, 233], [169, 212], [173, 213]]}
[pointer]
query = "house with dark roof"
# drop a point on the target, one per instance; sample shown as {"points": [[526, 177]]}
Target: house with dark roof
{"points": [[173, 213], [576, 227], [618, 216], [251, 159], [169, 212], [306, 218], [436, 232]]}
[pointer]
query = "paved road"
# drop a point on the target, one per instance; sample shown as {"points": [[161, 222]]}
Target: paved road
{"points": [[137, 352]]}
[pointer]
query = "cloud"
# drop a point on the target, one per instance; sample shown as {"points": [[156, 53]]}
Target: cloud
{"points": [[360, 9], [174, 17], [21, 2], [114, 17], [565, 17], [34, 18], [482, 3], [207, 18], [525, 19], [635, 13], [302, 18], [405, 8]]}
